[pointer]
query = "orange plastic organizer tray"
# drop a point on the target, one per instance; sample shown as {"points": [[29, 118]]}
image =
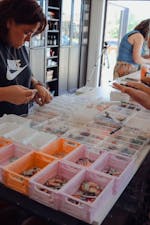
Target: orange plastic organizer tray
{"points": [[60, 148], [4, 142], [12, 174]]}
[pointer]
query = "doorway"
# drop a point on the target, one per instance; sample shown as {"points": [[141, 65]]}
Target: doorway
{"points": [[74, 44], [121, 17]]}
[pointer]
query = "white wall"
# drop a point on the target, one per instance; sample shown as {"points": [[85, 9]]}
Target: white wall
{"points": [[95, 42]]}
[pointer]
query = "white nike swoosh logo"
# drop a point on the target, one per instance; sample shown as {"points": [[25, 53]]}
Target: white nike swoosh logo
{"points": [[11, 76]]}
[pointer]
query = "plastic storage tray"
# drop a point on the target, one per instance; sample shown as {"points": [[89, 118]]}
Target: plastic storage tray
{"points": [[85, 135], [81, 209], [60, 148], [83, 157], [7, 128], [57, 126], [117, 166], [40, 140], [12, 174], [10, 118], [46, 195], [9, 154], [22, 135], [4, 142]]}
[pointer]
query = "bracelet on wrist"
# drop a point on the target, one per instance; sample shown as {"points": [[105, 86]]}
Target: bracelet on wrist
{"points": [[38, 83]]}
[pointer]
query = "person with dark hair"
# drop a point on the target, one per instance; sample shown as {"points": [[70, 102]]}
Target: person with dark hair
{"points": [[19, 21], [131, 50]]}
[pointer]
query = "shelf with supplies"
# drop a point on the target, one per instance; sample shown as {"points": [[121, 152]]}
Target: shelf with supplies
{"points": [[53, 12]]}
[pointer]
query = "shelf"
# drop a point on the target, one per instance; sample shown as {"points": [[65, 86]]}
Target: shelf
{"points": [[51, 80], [53, 43], [49, 67], [53, 8], [52, 57], [53, 31], [53, 20]]}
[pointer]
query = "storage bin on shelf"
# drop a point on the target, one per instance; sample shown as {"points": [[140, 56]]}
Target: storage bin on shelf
{"points": [[60, 147], [57, 174], [117, 166], [9, 154], [73, 200], [83, 157], [15, 174]]}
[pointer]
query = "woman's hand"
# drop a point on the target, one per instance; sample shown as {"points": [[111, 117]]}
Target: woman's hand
{"points": [[42, 96], [16, 94], [142, 97], [119, 87], [146, 80]]}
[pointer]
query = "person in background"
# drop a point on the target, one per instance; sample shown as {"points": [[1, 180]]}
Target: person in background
{"points": [[19, 22], [131, 50], [138, 91]]}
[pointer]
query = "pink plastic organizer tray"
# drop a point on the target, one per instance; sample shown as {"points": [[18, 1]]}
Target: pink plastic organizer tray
{"points": [[9, 154], [56, 176], [83, 157], [79, 208], [117, 166]]}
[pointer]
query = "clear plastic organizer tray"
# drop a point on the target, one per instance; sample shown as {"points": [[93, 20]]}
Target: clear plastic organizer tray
{"points": [[130, 105], [7, 128], [57, 126], [105, 130], [142, 124], [138, 140], [86, 195], [83, 157], [39, 117], [40, 140], [46, 185], [9, 154], [60, 148], [22, 135], [17, 174], [136, 135], [18, 119], [105, 120], [85, 135], [129, 131], [118, 142], [120, 149], [143, 115], [117, 166], [123, 110]]}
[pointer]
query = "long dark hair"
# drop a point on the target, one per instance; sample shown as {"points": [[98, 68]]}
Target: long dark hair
{"points": [[22, 12], [144, 27]]}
